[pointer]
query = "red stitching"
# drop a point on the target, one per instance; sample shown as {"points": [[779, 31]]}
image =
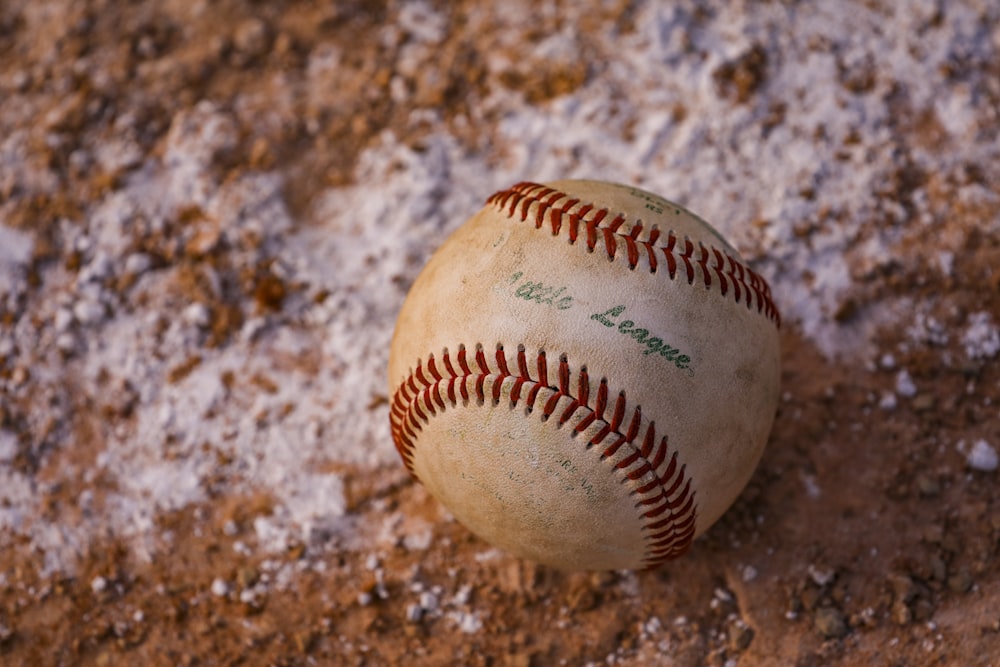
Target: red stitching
{"points": [[708, 263], [665, 503]]}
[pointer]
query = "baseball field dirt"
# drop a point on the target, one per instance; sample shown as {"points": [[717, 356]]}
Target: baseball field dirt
{"points": [[211, 212]]}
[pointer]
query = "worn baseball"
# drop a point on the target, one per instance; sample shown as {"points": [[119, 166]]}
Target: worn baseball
{"points": [[585, 374]]}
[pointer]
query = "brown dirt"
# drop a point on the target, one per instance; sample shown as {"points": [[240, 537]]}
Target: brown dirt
{"points": [[871, 540]]}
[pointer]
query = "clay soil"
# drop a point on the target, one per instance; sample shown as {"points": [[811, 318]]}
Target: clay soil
{"points": [[867, 536]]}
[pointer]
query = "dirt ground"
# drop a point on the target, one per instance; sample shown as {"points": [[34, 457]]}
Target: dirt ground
{"points": [[869, 535]]}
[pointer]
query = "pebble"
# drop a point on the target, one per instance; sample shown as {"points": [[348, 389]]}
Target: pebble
{"points": [[96, 270], [902, 586], [247, 576], [66, 342], [20, 80], [251, 40], [821, 576], [740, 635], [939, 569], [924, 402], [220, 588], [901, 614], [428, 601], [960, 582], [463, 595], [19, 376], [830, 622], [983, 457], [63, 320], [138, 263], [904, 385], [88, 312], [928, 486], [419, 540], [249, 597], [414, 612], [197, 315], [469, 623]]}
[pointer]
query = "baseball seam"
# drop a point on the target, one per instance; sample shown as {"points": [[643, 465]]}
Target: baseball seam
{"points": [[664, 497], [576, 218]]}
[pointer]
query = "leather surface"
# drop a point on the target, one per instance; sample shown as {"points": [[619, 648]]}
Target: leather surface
{"points": [[694, 366]]}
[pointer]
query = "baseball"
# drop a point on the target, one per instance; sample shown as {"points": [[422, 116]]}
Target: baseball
{"points": [[585, 374]]}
